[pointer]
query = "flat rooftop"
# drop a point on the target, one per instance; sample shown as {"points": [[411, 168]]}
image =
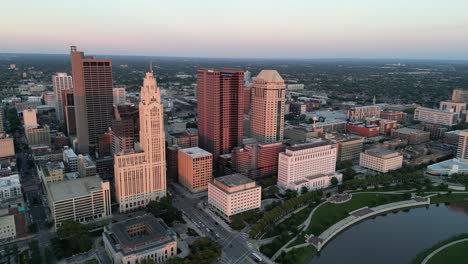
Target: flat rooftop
{"points": [[234, 180], [54, 165], [70, 153], [380, 151], [309, 145], [407, 130], [74, 188], [195, 152], [448, 165], [140, 233]]}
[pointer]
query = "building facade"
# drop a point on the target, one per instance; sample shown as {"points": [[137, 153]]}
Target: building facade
{"points": [[363, 112], [119, 95], [350, 149], [381, 160], [83, 200], [140, 176], [267, 107], [310, 165], [234, 194], [462, 147], [61, 81], [68, 101], [220, 110], [38, 135], [92, 87], [7, 147], [195, 167], [414, 136], [86, 166], [10, 187], [125, 127], [454, 107], [435, 116]]}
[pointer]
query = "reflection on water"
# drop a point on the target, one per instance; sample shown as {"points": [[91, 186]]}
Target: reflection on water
{"points": [[459, 207], [395, 238]]}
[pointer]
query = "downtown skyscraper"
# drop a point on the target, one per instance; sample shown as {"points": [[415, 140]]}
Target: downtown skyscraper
{"points": [[140, 174], [92, 87], [61, 81], [267, 107], [220, 110]]}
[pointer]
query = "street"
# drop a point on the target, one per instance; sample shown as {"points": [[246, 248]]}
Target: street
{"points": [[236, 247]]}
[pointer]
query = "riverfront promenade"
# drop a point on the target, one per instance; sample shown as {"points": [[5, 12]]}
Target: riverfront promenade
{"points": [[360, 214]]}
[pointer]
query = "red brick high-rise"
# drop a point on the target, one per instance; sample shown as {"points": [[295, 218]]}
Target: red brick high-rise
{"points": [[92, 82], [220, 110]]}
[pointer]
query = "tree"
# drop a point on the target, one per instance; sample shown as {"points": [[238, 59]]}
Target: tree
{"points": [[36, 257], [237, 223], [334, 181], [304, 190], [163, 208], [73, 238], [48, 256], [148, 261]]}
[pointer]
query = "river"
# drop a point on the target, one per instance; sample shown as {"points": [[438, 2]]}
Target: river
{"points": [[395, 237]]}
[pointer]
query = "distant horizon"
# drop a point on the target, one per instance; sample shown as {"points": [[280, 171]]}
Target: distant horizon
{"points": [[396, 60]]}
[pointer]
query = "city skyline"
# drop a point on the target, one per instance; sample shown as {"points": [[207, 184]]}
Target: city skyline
{"points": [[298, 29]]}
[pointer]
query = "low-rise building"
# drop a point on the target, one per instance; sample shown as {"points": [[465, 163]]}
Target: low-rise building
{"points": [[38, 135], [361, 129], [71, 159], [363, 112], [83, 200], [435, 116], [234, 194], [52, 172], [448, 167], [414, 136], [86, 166], [452, 137], [7, 225], [195, 168], [350, 148], [398, 116], [10, 187], [141, 238], [381, 160], [7, 147]]}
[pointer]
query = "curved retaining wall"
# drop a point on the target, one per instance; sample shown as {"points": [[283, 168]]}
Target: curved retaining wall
{"points": [[350, 220]]}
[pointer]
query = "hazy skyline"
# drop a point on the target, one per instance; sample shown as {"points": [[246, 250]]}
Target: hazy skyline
{"points": [[258, 29]]}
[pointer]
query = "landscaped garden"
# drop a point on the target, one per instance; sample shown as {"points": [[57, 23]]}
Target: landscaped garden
{"points": [[457, 253]]}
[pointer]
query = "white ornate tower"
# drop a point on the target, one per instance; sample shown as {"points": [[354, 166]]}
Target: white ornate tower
{"points": [[140, 175]]}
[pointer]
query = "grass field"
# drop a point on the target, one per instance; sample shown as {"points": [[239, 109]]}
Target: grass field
{"points": [[457, 253], [422, 255], [454, 197], [329, 214]]}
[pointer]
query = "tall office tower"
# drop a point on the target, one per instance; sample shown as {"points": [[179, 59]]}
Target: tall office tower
{"points": [[220, 110], [61, 81], [92, 86], [119, 95], [140, 175], [462, 148], [267, 109], [30, 118], [124, 127], [68, 105]]}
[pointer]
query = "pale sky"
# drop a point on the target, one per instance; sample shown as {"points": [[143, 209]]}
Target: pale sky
{"points": [[425, 29]]}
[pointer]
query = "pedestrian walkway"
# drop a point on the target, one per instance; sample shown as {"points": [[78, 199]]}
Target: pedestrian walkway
{"points": [[426, 259], [361, 214]]}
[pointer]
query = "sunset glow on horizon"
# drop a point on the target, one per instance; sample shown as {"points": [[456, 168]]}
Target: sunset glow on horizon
{"points": [[256, 29]]}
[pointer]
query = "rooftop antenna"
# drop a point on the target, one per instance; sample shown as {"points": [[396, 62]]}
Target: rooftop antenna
{"points": [[151, 66]]}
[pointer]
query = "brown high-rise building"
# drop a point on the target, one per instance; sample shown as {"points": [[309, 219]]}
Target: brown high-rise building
{"points": [[124, 127], [68, 102], [92, 82], [220, 110]]}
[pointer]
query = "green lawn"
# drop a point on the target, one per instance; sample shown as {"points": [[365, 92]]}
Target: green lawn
{"points": [[444, 198], [422, 255], [329, 214], [457, 253], [298, 255]]}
